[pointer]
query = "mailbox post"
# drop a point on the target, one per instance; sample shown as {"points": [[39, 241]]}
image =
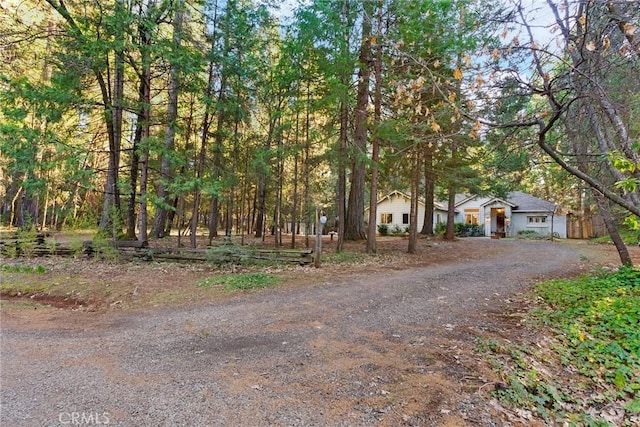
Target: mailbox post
{"points": [[321, 220]]}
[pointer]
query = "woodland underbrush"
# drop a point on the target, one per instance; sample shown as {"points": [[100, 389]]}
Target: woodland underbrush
{"points": [[583, 365]]}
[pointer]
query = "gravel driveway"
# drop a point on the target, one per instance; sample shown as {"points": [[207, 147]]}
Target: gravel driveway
{"points": [[388, 348]]}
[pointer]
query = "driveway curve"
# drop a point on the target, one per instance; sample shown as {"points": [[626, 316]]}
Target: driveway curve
{"points": [[379, 348]]}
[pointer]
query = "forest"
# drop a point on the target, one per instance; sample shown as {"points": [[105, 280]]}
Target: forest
{"points": [[221, 117]]}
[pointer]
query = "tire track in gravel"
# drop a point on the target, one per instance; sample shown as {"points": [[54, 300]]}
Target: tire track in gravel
{"points": [[388, 348]]}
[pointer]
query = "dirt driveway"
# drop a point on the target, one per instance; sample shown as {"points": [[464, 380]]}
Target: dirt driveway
{"points": [[384, 347]]}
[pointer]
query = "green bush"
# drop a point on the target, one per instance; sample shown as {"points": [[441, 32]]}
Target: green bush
{"points": [[383, 229], [460, 229], [468, 230], [397, 230]]}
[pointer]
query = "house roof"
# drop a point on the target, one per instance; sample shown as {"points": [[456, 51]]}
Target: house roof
{"points": [[527, 203], [517, 200], [498, 201], [463, 198], [397, 193]]}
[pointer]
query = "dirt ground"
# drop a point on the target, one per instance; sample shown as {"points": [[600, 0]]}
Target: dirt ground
{"points": [[390, 340]]}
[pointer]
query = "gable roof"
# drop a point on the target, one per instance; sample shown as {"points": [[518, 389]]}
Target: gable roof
{"points": [[463, 198], [517, 200], [397, 193], [527, 203], [498, 201]]}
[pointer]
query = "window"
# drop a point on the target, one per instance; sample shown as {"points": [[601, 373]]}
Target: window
{"points": [[536, 221], [386, 218], [471, 216], [405, 218]]}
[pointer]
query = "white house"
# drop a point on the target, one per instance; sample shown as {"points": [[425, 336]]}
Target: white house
{"points": [[500, 217], [507, 217], [394, 208]]}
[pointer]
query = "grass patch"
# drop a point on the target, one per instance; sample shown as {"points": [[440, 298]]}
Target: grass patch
{"points": [[22, 269], [344, 257], [17, 279], [629, 236], [589, 371], [23, 287], [239, 281]]}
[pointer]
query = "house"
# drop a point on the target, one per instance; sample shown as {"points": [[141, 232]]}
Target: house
{"points": [[515, 213], [506, 217], [393, 211]]}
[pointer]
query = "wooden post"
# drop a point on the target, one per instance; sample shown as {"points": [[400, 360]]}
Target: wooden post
{"points": [[318, 238]]}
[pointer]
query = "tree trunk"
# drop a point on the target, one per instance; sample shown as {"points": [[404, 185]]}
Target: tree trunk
{"points": [[342, 174], [277, 214], [111, 207], [135, 163], [112, 104], [344, 128], [610, 223], [262, 187], [415, 192], [144, 121], [354, 227], [234, 171], [581, 152], [307, 172], [429, 189], [375, 155], [144, 158], [295, 207], [166, 167], [588, 80], [452, 188]]}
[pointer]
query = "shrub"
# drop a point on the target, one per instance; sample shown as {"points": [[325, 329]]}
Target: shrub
{"points": [[468, 230], [383, 229], [397, 230]]}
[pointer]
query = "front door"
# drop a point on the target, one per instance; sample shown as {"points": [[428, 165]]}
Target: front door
{"points": [[498, 222]]}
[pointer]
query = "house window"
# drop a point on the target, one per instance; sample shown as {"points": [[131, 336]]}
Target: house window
{"points": [[536, 221], [471, 216], [405, 218], [386, 218]]}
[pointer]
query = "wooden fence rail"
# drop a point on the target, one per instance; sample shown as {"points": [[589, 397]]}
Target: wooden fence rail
{"points": [[134, 249]]}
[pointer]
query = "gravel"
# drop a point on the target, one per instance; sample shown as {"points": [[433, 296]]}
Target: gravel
{"points": [[379, 348]]}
